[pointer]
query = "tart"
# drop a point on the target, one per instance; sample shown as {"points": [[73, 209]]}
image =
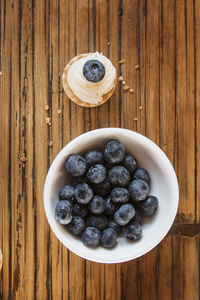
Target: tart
{"points": [[89, 79]]}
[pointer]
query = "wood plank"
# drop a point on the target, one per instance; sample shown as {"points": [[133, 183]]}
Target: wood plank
{"points": [[114, 41], [54, 134], [185, 107], [152, 64], [25, 211], [197, 106], [167, 81], [40, 98], [142, 13], [5, 148], [164, 272], [130, 280], [130, 100], [185, 266]]}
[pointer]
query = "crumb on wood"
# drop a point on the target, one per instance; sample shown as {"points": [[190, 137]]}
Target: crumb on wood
{"points": [[137, 66], [131, 90], [23, 157], [59, 111], [46, 107], [48, 120], [140, 107], [122, 61], [120, 78], [49, 123], [50, 144], [126, 87], [123, 82], [135, 119]]}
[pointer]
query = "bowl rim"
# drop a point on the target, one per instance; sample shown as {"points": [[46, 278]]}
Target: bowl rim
{"points": [[139, 137]]}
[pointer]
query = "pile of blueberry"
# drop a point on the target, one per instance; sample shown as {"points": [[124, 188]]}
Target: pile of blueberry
{"points": [[108, 195]]}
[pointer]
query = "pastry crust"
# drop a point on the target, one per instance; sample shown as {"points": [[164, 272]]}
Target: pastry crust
{"points": [[70, 93]]}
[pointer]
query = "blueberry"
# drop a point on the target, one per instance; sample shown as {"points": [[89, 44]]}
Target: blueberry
{"points": [[94, 157], [119, 176], [124, 214], [63, 212], [108, 238], [138, 216], [80, 210], [119, 195], [76, 226], [111, 207], [83, 193], [98, 221], [113, 224], [114, 152], [77, 180], [138, 190], [96, 174], [76, 165], [94, 70], [103, 188], [141, 173], [149, 205], [91, 236], [97, 205], [132, 231], [67, 193], [129, 162]]}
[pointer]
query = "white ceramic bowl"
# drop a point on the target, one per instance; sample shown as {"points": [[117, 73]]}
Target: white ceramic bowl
{"points": [[163, 185]]}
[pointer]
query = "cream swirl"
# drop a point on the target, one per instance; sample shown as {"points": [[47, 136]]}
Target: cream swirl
{"points": [[91, 92]]}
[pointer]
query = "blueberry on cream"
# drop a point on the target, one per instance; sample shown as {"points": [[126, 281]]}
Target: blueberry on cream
{"points": [[93, 70]]}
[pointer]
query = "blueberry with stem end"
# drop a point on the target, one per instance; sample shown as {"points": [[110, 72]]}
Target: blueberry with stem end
{"points": [[108, 238], [132, 231], [97, 205], [76, 226], [139, 190], [91, 236], [119, 176], [67, 193], [83, 193], [129, 162], [93, 70], [63, 212], [76, 165], [114, 152], [96, 173], [148, 206], [119, 195]]}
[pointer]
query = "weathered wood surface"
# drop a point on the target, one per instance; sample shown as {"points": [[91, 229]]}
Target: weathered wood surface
{"points": [[38, 38]]}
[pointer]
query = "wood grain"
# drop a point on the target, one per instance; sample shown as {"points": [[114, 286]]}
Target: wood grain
{"points": [[37, 40]]}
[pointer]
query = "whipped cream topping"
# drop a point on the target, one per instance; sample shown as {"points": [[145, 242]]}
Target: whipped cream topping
{"points": [[91, 92]]}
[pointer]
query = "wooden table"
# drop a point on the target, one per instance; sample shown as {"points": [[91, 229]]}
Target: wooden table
{"points": [[38, 38]]}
